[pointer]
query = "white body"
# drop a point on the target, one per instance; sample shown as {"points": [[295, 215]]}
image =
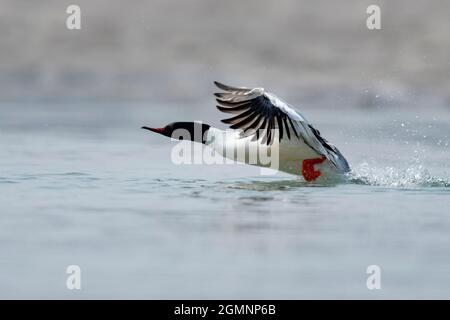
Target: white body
{"points": [[286, 156]]}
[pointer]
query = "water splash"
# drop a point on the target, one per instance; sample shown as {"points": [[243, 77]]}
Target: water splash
{"points": [[411, 177]]}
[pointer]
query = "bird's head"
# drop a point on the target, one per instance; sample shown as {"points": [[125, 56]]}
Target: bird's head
{"points": [[193, 131], [165, 131]]}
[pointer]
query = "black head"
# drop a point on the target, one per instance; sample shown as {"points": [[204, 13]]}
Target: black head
{"points": [[194, 131]]}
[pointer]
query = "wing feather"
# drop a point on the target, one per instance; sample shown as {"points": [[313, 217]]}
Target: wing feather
{"points": [[258, 113]]}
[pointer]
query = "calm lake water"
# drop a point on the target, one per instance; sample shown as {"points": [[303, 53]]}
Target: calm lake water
{"points": [[81, 184]]}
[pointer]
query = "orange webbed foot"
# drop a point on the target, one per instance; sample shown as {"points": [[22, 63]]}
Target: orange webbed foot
{"points": [[308, 171]]}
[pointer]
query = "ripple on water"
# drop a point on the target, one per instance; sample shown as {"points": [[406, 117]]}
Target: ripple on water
{"points": [[410, 177], [278, 185], [7, 181]]}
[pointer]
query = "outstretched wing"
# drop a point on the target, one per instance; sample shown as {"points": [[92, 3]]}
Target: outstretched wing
{"points": [[258, 113]]}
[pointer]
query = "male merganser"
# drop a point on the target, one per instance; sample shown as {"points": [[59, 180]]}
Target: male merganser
{"points": [[264, 121]]}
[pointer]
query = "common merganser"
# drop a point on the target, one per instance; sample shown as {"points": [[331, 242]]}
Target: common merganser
{"points": [[262, 120]]}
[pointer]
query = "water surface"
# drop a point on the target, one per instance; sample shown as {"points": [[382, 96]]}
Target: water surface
{"points": [[81, 184]]}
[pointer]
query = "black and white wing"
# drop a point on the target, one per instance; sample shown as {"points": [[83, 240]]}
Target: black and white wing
{"points": [[258, 113]]}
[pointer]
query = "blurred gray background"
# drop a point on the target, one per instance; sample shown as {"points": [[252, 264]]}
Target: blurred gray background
{"points": [[160, 50]]}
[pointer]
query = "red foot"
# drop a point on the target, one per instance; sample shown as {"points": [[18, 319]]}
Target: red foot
{"points": [[308, 171]]}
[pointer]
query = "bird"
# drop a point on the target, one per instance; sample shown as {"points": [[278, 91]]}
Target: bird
{"points": [[262, 121]]}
